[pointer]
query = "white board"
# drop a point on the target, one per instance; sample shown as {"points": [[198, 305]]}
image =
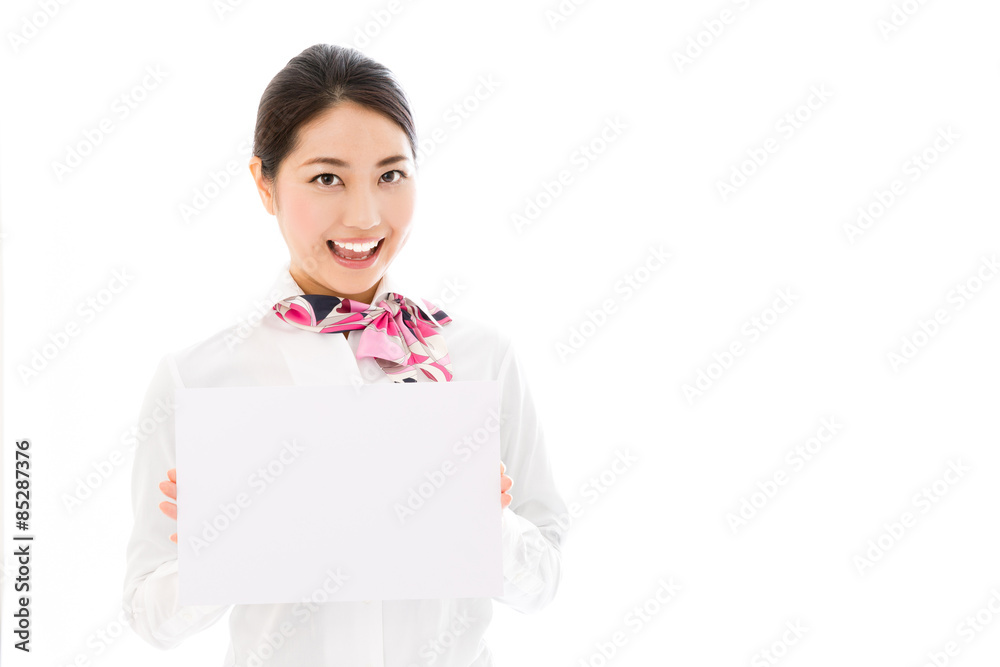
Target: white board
{"points": [[377, 492]]}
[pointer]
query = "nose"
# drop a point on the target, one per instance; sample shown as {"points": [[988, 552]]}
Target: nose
{"points": [[361, 209]]}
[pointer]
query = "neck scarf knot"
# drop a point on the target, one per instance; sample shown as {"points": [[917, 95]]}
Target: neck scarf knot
{"points": [[396, 332]]}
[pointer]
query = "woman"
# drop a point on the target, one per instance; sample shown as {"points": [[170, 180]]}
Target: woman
{"points": [[334, 162]]}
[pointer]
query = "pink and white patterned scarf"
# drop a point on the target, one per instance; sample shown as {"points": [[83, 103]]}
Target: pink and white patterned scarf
{"points": [[397, 333]]}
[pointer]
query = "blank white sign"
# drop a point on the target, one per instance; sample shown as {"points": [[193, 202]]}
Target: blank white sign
{"points": [[372, 492]]}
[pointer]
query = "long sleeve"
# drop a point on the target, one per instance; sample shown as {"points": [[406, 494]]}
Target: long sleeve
{"points": [[150, 596], [534, 525]]}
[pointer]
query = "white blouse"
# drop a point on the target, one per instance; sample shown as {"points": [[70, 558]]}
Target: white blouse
{"points": [[373, 633]]}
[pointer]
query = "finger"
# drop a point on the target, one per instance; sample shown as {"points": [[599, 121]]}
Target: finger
{"points": [[172, 474], [503, 468], [505, 483], [504, 500], [170, 489], [169, 509], [173, 538]]}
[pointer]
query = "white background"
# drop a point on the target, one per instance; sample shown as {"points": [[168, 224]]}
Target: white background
{"points": [[685, 129]]}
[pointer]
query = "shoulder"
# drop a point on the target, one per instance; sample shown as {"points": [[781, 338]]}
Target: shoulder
{"points": [[212, 360], [488, 342], [209, 347]]}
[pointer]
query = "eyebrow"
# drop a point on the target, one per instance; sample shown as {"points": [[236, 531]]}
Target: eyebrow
{"points": [[337, 162]]}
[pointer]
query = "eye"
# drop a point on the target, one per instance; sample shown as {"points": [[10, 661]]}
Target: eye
{"points": [[323, 178], [402, 175]]}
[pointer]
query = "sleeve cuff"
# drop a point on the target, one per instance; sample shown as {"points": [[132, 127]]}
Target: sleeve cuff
{"points": [[521, 552]]}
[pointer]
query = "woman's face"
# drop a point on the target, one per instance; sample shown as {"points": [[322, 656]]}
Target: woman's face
{"points": [[350, 179]]}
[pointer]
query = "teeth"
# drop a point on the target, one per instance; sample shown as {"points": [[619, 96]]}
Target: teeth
{"points": [[365, 250], [358, 247]]}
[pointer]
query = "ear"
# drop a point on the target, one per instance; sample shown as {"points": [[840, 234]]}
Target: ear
{"points": [[264, 187]]}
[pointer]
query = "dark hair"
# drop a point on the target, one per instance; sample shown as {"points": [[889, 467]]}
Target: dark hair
{"points": [[314, 81]]}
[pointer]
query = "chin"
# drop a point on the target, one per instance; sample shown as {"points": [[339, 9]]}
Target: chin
{"points": [[355, 285]]}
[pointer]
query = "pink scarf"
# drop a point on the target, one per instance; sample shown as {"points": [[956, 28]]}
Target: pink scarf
{"points": [[397, 333]]}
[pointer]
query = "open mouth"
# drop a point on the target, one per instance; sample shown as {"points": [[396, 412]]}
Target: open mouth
{"points": [[353, 251]]}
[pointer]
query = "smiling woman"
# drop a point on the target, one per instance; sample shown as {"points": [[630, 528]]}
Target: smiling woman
{"points": [[344, 218], [333, 209], [333, 162]]}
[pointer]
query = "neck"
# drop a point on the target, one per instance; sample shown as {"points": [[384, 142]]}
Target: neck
{"points": [[310, 286]]}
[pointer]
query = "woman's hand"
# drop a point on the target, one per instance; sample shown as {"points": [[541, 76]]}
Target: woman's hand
{"points": [[170, 488], [505, 484]]}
